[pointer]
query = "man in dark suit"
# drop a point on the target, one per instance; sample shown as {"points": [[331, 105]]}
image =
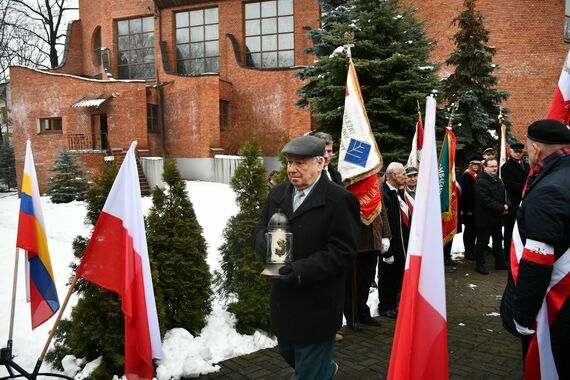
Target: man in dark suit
{"points": [[307, 303], [329, 170], [513, 174], [391, 267], [466, 200]]}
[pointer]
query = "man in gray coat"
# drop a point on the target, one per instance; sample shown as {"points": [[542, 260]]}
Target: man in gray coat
{"points": [[307, 303]]}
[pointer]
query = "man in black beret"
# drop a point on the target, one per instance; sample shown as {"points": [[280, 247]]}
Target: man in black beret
{"points": [[536, 302], [306, 305], [513, 174]]}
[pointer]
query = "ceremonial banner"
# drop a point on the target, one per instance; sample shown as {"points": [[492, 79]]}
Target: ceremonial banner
{"points": [[448, 187], [32, 238], [561, 101], [502, 145], [419, 350], [417, 143], [116, 259], [359, 157]]}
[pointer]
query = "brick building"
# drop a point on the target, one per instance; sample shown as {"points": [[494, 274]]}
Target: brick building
{"points": [[186, 78], [529, 38]]}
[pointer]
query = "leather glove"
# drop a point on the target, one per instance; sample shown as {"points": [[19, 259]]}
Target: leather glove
{"points": [[388, 260], [385, 245], [289, 276], [523, 330]]}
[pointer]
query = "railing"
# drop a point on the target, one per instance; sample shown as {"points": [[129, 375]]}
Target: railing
{"points": [[82, 142]]}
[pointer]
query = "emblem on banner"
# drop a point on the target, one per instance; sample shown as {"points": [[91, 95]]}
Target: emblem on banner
{"points": [[357, 152]]}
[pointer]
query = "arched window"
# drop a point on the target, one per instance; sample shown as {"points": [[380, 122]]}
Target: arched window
{"points": [[96, 46]]}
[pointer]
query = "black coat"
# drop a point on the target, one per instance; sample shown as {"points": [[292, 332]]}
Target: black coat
{"points": [[335, 175], [400, 233], [544, 216], [514, 176], [325, 234], [466, 199], [489, 201]]}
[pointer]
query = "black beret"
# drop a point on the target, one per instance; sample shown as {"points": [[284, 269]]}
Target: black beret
{"points": [[517, 146], [549, 132], [306, 146], [411, 170], [488, 150]]}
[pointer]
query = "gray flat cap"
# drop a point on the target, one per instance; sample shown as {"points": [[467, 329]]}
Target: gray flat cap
{"points": [[306, 146]]}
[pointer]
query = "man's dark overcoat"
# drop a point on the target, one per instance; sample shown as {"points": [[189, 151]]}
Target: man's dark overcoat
{"points": [[490, 198], [514, 176], [544, 216], [399, 241], [325, 234]]}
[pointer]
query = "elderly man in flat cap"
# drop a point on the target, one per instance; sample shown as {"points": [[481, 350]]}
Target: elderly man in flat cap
{"points": [[513, 174], [307, 304], [536, 302]]}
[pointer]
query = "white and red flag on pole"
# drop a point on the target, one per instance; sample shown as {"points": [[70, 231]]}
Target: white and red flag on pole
{"points": [[417, 144], [116, 259], [359, 157], [560, 106], [419, 350], [502, 143]]}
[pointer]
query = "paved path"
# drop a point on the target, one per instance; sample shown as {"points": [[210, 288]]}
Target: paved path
{"points": [[479, 348]]}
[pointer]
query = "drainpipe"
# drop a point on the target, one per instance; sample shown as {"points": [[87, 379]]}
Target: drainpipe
{"points": [[159, 87], [567, 21]]}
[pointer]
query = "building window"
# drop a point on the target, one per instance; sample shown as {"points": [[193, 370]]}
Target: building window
{"points": [[136, 48], [152, 118], [197, 42], [51, 125], [269, 37], [224, 112]]}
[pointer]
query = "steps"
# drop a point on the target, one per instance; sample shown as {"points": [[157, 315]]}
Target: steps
{"points": [[120, 154]]}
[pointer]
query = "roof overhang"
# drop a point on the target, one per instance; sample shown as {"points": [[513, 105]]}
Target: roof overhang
{"points": [[91, 101]]}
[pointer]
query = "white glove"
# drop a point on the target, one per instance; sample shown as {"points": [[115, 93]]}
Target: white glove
{"points": [[523, 330], [388, 260], [385, 245]]}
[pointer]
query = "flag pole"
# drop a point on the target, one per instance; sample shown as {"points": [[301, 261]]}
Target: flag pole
{"points": [[13, 306], [52, 332]]}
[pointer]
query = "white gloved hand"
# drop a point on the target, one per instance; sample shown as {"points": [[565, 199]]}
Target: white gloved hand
{"points": [[388, 260], [523, 330], [385, 245]]}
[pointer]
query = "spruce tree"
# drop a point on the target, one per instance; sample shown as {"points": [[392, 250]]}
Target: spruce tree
{"points": [[68, 181], [178, 251], [240, 280], [473, 85], [96, 326], [7, 166], [391, 56]]}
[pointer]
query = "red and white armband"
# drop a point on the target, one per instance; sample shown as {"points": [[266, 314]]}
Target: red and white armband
{"points": [[538, 252]]}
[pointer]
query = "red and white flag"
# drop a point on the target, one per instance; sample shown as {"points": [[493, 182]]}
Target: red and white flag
{"points": [[502, 144], [116, 259], [359, 157], [417, 144], [560, 106], [419, 350]]}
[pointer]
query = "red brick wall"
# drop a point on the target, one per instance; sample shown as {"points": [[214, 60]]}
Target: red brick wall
{"points": [[528, 36], [36, 95], [73, 63]]}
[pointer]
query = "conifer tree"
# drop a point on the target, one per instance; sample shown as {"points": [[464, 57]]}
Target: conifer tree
{"points": [[240, 279], [68, 181], [7, 166], [178, 251], [391, 56], [473, 85], [96, 326]]}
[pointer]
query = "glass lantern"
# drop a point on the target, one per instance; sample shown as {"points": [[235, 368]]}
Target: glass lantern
{"points": [[279, 245]]}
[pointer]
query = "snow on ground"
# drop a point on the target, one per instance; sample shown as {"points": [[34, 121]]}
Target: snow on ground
{"points": [[185, 355]]}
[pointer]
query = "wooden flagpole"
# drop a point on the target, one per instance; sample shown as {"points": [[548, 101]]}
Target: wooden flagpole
{"points": [[13, 306]]}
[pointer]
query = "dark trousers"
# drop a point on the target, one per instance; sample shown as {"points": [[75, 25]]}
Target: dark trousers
{"points": [[390, 283], [509, 226], [483, 234], [365, 271], [469, 234], [311, 361]]}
